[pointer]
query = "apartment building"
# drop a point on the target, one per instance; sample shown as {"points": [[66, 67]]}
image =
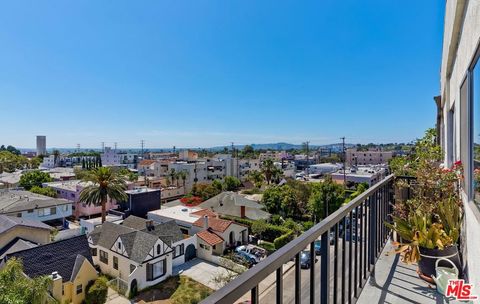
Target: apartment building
{"points": [[459, 119], [355, 157], [110, 157]]}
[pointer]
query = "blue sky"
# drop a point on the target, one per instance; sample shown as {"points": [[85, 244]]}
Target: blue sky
{"points": [[205, 73]]}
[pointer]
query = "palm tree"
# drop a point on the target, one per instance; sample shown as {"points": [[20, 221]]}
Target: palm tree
{"points": [[268, 169], [105, 184], [56, 155], [256, 177], [183, 175], [173, 176]]}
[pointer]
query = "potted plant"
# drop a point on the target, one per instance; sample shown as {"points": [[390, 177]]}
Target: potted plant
{"points": [[427, 237]]}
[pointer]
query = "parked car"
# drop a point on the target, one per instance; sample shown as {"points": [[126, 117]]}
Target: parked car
{"points": [[305, 261], [256, 252], [318, 247], [248, 257]]}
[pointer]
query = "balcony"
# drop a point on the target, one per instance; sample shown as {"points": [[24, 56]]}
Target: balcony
{"points": [[354, 264]]}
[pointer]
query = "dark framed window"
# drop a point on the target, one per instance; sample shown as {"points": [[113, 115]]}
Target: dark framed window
{"points": [[178, 250], [93, 251], [132, 268], [156, 270], [115, 263], [103, 257], [79, 289], [53, 210], [159, 249]]}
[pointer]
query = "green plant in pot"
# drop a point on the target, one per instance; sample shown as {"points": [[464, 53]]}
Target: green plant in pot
{"points": [[427, 237]]}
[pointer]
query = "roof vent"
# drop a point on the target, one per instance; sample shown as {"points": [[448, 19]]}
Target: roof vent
{"points": [[184, 210]]}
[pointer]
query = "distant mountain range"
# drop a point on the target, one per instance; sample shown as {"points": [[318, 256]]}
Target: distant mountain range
{"points": [[270, 146]]}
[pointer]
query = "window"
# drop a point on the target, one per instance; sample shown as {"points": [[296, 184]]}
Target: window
{"points": [[115, 263], [204, 247], [158, 249], [475, 92], [19, 214], [119, 245], [30, 211], [178, 250], [132, 268], [79, 289], [450, 142], [103, 257], [63, 290], [93, 251], [65, 208], [155, 271], [53, 210]]}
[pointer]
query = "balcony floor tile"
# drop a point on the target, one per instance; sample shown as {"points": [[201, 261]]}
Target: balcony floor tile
{"points": [[396, 282]]}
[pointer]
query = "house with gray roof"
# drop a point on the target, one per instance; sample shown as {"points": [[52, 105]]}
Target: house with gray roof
{"points": [[18, 234], [234, 204], [31, 206], [139, 252]]}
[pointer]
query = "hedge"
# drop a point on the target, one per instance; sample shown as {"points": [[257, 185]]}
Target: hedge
{"points": [[270, 234], [281, 241], [268, 246]]}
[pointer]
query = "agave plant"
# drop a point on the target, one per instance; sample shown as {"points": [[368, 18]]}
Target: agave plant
{"points": [[431, 231]]}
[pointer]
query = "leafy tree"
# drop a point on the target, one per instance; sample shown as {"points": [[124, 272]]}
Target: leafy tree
{"points": [[172, 174], [259, 227], [9, 161], [248, 151], [106, 183], [97, 292], [34, 162], [10, 149], [256, 177], [47, 191], [231, 183], [34, 178], [16, 288], [217, 185], [326, 197], [281, 200]]}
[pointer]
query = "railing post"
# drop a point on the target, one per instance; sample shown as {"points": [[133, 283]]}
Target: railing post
{"points": [[372, 233], [325, 269]]}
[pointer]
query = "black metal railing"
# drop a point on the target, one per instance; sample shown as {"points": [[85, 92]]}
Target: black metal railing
{"points": [[352, 239]]}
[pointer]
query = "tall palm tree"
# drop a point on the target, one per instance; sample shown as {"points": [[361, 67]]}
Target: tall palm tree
{"points": [[183, 175], [268, 169], [56, 156], [173, 176], [104, 183]]}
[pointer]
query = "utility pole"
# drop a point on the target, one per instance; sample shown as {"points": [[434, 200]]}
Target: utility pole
{"points": [[142, 143], [344, 163], [115, 145], [308, 152]]}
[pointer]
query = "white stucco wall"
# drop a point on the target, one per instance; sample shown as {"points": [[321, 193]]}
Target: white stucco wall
{"points": [[461, 17]]}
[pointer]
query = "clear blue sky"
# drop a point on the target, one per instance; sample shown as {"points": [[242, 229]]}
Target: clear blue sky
{"points": [[205, 73]]}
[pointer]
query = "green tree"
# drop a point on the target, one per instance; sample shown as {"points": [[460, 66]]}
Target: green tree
{"points": [[256, 177], [34, 178], [9, 161], [16, 288], [106, 183], [326, 197], [281, 200], [259, 227], [172, 174], [47, 191], [97, 292], [248, 151], [231, 183]]}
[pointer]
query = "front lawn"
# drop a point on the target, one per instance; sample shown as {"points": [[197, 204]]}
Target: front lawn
{"points": [[175, 290]]}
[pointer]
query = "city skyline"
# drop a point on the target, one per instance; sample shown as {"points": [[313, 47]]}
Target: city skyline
{"points": [[206, 74]]}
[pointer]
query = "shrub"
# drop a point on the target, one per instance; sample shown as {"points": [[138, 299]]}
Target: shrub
{"points": [[307, 225], [268, 246], [281, 241], [97, 292], [47, 191]]}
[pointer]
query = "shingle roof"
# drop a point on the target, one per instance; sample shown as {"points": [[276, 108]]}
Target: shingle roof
{"points": [[14, 201], [137, 242], [210, 237], [61, 256], [146, 162], [230, 203], [214, 223], [8, 222], [15, 245]]}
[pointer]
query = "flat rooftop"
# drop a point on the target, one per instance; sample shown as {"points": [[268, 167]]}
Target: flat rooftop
{"points": [[16, 200], [141, 190], [180, 213]]}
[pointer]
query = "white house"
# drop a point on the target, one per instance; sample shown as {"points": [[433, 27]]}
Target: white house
{"points": [[139, 252], [110, 157]]}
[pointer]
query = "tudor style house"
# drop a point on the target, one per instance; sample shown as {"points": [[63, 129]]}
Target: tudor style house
{"points": [[139, 252], [67, 262]]}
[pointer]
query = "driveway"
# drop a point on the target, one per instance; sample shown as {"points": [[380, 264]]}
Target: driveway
{"points": [[202, 271]]}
